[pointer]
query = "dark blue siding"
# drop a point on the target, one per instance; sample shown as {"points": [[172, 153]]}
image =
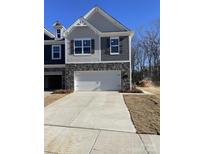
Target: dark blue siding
{"points": [[48, 56], [47, 37]]}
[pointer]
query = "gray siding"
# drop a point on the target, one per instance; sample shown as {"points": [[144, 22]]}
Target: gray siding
{"points": [[103, 24], [124, 49], [82, 32]]}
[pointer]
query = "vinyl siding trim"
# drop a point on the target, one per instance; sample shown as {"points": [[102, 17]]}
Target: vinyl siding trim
{"points": [[51, 42], [54, 66], [113, 34], [98, 62], [130, 38], [66, 48], [100, 49], [48, 33]]}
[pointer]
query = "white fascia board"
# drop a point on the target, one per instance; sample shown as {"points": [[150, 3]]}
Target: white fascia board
{"points": [[132, 34], [54, 66], [75, 24], [109, 17], [96, 62], [110, 34], [50, 42], [114, 21], [63, 28], [70, 28], [48, 33], [90, 12]]}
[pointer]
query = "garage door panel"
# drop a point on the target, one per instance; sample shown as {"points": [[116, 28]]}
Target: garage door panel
{"points": [[83, 85], [97, 80]]}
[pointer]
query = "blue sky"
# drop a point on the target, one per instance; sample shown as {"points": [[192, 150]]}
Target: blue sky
{"points": [[132, 13]]}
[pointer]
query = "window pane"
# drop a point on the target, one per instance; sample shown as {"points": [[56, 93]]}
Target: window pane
{"points": [[78, 50], [114, 41], [78, 43], [114, 49], [86, 50], [56, 51], [59, 35], [56, 48], [58, 30], [56, 55], [86, 42]]}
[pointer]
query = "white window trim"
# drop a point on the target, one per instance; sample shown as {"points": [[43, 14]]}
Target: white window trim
{"points": [[115, 46], [58, 33], [82, 39], [53, 58]]}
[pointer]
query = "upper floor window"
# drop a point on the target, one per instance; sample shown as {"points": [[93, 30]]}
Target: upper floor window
{"points": [[114, 45], [56, 52], [82, 46], [58, 33]]}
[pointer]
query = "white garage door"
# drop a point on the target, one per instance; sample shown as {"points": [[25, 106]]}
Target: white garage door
{"points": [[97, 80]]}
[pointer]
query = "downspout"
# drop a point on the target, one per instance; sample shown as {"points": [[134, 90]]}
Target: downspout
{"points": [[130, 57], [130, 38]]}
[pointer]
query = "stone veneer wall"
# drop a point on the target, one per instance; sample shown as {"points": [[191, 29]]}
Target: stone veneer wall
{"points": [[124, 67], [57, 70]]}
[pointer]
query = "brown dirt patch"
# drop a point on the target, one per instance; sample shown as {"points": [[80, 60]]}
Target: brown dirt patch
{"points": [[145, 113], [154, 90], [52, 98]]}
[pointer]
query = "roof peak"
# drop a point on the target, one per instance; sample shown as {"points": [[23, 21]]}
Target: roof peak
{"points": [[57, 25], [105, 14]]}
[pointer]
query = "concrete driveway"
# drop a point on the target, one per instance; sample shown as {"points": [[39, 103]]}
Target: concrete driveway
{"points": [[91, 122], [97, 110]]}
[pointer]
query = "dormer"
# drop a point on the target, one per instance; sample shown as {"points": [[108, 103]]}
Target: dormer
{"points": [[59, 30]]}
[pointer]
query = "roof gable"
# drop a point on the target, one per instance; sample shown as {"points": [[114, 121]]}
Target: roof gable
{"points": [[101, 23], [81, 23], [100, 19]]}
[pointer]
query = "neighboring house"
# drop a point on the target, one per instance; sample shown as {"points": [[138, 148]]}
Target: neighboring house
{"points": [[54, 58], [97, 54]]}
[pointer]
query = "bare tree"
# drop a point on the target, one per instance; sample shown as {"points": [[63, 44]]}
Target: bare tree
{"points": [[146, 51]]}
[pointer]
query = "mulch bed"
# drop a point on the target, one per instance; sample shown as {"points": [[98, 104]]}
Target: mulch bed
{"points": [[136, 90], [145, 113]]}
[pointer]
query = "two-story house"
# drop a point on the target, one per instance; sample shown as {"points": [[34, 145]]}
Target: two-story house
{"points": [[97, 54], [54, 58]]}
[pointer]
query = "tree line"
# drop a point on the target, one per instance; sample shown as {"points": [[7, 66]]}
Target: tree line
{"points": [[146, 53]]}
